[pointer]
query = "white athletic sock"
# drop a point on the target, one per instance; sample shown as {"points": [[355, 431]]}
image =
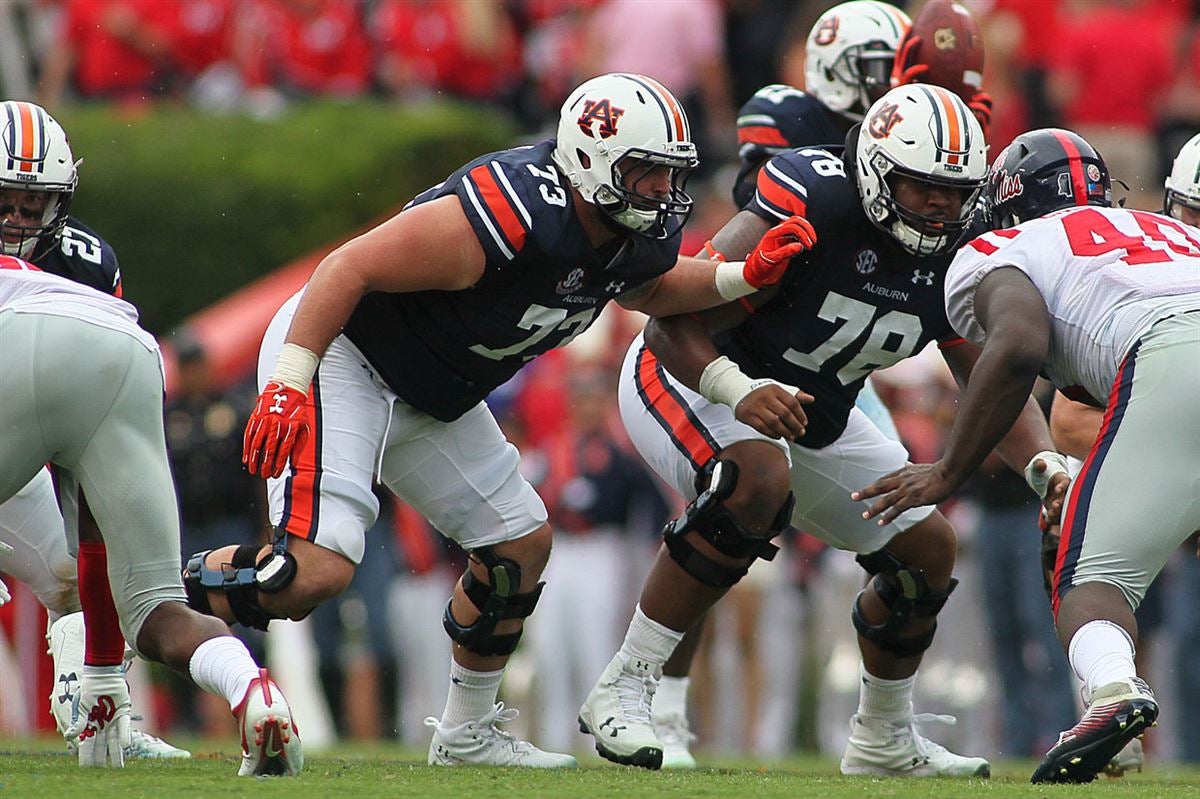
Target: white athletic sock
{"points": [[1101, 652], [472, 694], [671, 697], [223, 666], [880, 698], [648, 640]]}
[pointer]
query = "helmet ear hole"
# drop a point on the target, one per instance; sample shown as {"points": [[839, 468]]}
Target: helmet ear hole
{"points": [[585, 160]]}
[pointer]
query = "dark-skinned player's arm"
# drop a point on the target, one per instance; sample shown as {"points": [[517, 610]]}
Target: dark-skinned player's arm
{"points": [[1014, 316], [1028, 448]]}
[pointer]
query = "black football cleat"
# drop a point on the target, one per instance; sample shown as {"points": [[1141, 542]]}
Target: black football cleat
{"points": [[1119, 712]]}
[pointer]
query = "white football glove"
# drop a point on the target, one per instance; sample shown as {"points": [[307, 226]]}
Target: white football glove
{"points": [[101, 717], [5, 595]]}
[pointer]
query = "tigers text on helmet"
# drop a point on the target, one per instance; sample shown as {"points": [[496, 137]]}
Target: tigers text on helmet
{"points": [[35, 158], [1183, 184], [849, 56], [1042, 171], [614, 131], [926, 134]]}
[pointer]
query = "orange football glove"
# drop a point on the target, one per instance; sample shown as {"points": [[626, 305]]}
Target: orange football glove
{"points": [[981, 106], [278, 427], [769, 260], [903, 72]]}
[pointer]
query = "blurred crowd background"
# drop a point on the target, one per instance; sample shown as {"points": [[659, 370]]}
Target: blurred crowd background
{"points": [[778, 671]]}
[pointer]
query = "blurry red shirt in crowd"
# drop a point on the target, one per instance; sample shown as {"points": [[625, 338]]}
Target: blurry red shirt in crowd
{"points": [[201, 33], [1121, 55], [1040, 25], [315, 46], [467, 49], [110, 40]]}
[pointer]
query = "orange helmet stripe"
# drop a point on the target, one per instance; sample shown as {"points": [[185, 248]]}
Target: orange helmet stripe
{"points": [[954, 145], [668, 99], [26, 122]]}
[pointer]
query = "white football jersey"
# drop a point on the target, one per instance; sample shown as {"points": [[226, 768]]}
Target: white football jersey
{"points": [[26, 289], [1106, 274]]}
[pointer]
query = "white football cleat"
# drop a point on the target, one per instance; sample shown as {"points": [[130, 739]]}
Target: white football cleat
{"points": [[676, 737], [66, 638], [483, 743], [270, 740], [617, 713], [885, 748]]}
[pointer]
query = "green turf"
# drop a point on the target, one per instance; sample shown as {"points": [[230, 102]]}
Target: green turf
{"points": [[39, 770]]}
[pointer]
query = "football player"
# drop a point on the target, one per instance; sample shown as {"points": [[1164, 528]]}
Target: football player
{"points": [[95, 412], [378, 370], [1182, 199], [715, 403], [38, 176], [1105, 302], [848, 60]]}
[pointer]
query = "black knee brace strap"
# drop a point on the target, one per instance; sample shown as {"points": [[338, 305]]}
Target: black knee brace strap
{"points": [[241, 580], [709, 517], [496, 600], [907, 595]]}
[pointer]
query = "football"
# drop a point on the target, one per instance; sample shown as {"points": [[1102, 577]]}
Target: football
{"points": [[951, 44]]}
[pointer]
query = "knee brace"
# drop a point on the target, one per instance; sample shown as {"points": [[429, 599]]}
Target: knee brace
{"points": [[241, 580], [907, 595], [717, 525], [497, 599]]}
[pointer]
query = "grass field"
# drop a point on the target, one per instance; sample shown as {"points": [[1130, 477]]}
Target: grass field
{"points": [[33, 771]]}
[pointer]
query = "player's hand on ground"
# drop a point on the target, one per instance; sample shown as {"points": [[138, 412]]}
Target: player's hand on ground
{"points": [[768, 262], [903, 72], [277, 428], [101, 717], [774, 409], [914, 486]]}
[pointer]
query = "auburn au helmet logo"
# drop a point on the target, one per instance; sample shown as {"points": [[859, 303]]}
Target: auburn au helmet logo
{"points": [[827, 31], [602, 111], [883, 120]]}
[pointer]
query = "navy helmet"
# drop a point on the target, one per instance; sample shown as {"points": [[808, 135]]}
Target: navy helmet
{"points": [[1042, 171]]}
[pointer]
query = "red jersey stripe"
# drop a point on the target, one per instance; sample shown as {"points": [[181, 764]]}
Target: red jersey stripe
{"points": [[500, 206], [685, 433], [761, 134], [777, 194]]}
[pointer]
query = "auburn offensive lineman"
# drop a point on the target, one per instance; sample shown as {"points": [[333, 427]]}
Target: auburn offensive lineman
{"points": [[716, 404], [1105, 302], [379, 367], [38, 176]]}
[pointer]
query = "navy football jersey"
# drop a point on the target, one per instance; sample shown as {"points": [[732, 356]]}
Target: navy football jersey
{"points": [[775, 119], [854, 303], [84, 257], [544, 284]]}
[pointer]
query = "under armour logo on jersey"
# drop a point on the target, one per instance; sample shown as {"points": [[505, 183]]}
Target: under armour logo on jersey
{"points": [[866, 261], [278, 406], [923, 277], [615, 287], [883, 120], [602, 111]]}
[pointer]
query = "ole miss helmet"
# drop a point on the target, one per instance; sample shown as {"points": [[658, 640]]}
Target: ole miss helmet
{"points": [[1042, 171]]}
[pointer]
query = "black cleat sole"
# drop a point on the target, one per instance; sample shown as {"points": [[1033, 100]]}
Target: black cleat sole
{"points": [[1082, 761], [649, 757]]}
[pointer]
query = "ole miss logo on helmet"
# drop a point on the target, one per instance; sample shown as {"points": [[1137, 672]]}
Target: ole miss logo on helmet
{"points": [[884, 120], [602, 111]]}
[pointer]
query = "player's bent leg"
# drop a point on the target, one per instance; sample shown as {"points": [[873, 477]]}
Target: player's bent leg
{"points": [[485, 617], [743, 501], [896, 617], [252, 585]]}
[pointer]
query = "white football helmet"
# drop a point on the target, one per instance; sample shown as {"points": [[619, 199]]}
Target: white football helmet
{"points": [[850, 52], [926, 133], [612, 131], [34, 156], [1183, 184]]}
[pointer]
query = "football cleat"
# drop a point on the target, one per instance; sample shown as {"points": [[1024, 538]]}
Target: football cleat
{"points": [[676, 737], [270, 740], [483, 743], [1118, 712], [66, 638], [887, 748], [617, 713]]}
